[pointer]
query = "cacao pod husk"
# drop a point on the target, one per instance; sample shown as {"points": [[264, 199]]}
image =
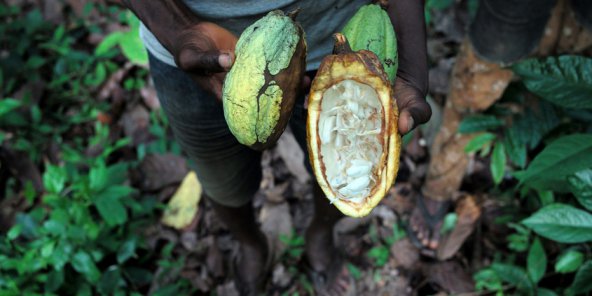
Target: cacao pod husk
{"points": [[352, 135], [371, 29], [261, 87]]}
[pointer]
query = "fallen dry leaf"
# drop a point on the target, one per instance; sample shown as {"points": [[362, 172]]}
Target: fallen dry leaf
{"points": [[183, 206], [468, 212]]}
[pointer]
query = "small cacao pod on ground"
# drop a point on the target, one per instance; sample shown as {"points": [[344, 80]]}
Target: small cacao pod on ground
{"points": [[261, 87], [353, 141], [371, 29]]}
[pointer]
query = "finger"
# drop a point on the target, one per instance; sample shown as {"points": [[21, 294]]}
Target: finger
{"points": [[416, 112], [204, 62]]}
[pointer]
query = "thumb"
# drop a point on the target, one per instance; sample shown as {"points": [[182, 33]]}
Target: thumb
{"points": [[204, 62]]}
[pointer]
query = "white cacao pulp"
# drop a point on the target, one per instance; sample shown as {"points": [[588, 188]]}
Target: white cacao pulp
{"points": [[350, 128]]}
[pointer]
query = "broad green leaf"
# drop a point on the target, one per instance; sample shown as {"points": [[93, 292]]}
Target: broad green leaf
{"points": [[565, 81], [354, 271], [561, 223], [479, 141], [55, 279], [110, 280], [7, 105], [580, 184], [479, 123], [127, 250], [83, 263], [111, 208], [133, 48], [536, 261], [498, 162], [448, 223], [514, 275], [583, 281], [569, 261], [487, 279], [551, 167], [98, 177], [546, 197], [108, 42], [54, 178]]}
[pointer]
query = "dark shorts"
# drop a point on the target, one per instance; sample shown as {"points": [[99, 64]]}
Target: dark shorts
{"points": [[229, 172]]}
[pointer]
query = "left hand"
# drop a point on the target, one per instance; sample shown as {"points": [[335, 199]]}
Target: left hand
{"points": [[413, 108]]}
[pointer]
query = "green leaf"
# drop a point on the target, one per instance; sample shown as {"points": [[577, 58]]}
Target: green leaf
{"points": [[565, 81], [448, 223], [54, 179], [354, 271], [580, 184], [498, 162], [127, 250], [7, 105], [108, 42], [565, 156], [479, 123], [569, 261], [514, 275], [487, 279], [537, 261], [583, 281], [111, 208], [55, 279], [380, 254], [133, 48], [109, 281], [98, 177], [83, 263], [561, 223], [545, 292], [479, 141]]}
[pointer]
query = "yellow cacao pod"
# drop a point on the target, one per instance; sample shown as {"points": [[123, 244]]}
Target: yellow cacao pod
{"points": [[353, 141]]}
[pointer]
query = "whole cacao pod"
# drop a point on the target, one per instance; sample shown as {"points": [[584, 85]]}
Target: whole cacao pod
{"points": [[261, 87]]}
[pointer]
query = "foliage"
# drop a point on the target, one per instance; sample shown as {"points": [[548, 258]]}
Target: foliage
{"points": [[547, 148], [82, 235]]}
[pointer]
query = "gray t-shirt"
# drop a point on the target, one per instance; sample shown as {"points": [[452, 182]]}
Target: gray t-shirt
{"points": [[319, 19]]}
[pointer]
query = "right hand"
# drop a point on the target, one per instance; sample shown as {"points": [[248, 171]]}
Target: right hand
{"points": [[206, 52]]}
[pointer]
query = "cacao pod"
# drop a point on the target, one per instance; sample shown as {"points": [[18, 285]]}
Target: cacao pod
{"points": [[352, 135], [261, 87], [371, 29]]}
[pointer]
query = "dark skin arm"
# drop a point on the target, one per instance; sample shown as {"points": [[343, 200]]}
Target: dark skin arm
{"points": [[202, 49], [206, 50], [411, 84]]}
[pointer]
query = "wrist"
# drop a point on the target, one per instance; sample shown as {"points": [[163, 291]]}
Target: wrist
{"points": [[166, 19]]}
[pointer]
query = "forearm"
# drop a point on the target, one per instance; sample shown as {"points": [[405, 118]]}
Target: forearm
{"points": [[408, 19], [163, 17]]}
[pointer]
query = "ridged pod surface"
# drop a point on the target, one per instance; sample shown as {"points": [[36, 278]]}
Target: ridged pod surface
{"points": [[261, 87], [353, 140], [371, 29]]}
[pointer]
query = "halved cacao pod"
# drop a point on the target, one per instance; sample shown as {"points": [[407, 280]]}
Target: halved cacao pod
{"points": [[353, 141], [261, 87], [371, 29]]}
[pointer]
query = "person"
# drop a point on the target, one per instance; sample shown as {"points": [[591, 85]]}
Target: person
{"points": [[191, 47], [501, 33]]}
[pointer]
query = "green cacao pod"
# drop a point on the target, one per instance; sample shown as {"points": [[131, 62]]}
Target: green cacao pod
{"points": [[371, 29], [261, 87]]}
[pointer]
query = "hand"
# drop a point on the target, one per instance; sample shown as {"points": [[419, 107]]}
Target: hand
{"points": [[206, 52], [413, 108], [411, 84]]}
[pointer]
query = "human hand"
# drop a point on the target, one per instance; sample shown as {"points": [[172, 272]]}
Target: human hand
{"points": [[206, 52], [411, 84], [413, 108]]}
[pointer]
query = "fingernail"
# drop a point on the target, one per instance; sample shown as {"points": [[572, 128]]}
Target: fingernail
{"points": [[225, 61], [410, 123]]}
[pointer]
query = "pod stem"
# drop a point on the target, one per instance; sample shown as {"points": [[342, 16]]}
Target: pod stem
{"points": [[294, 13], [341, 45]]}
